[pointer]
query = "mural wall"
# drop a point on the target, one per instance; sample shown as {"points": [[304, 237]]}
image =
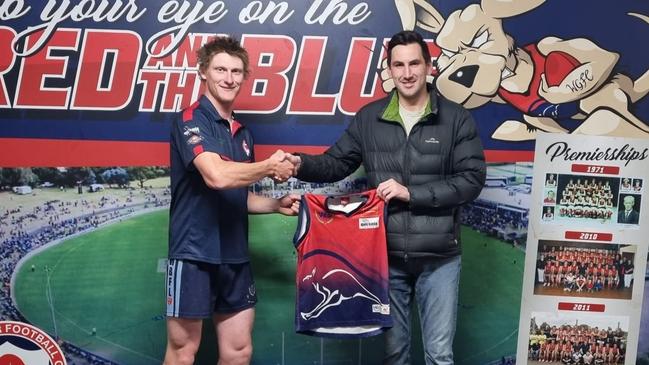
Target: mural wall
{"points": [[88, 91]]}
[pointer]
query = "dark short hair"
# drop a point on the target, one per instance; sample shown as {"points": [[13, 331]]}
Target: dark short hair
{"points": [[406, 37], [222, 44]]}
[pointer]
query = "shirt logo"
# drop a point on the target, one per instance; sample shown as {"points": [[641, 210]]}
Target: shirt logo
{"points": [[324, 217], [368, 223], [381, 308], [191, 130], [246, 149], [194, 139], [194, 134], [252, 294], [431, 140]]}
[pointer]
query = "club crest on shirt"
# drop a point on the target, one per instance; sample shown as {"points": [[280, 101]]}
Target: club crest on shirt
{"points": [[194, 139], [245, 147], [194, 134], [324, 217]]}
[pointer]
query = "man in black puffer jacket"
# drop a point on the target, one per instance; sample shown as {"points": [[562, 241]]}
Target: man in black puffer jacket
{"points": [[424, 156]]}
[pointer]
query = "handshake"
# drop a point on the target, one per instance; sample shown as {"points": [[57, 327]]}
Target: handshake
{"points": [[282, 165]]}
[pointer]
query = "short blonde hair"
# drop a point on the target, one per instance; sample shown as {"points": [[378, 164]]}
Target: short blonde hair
{"points": [[222, 44]]}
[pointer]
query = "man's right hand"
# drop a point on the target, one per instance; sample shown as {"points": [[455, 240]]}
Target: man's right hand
{"points": [[281, 168], [296, 161]]}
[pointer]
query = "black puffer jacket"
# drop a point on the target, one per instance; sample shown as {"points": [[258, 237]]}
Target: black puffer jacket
{"points": [[441, 163]]}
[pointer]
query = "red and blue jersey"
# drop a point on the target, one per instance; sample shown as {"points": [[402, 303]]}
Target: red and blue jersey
{"points": [[207, 225], [342, 268]]}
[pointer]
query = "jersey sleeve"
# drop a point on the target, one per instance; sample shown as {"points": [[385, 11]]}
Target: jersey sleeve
{"points": [[192, 135]]}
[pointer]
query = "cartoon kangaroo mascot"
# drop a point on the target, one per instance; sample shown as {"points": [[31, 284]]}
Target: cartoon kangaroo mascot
{"points": [[552, 80]]}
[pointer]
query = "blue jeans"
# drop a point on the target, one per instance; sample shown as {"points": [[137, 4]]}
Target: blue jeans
{"points": [[434, 283]]}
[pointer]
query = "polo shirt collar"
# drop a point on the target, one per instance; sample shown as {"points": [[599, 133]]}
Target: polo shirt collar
{"points": [[214, 114]]}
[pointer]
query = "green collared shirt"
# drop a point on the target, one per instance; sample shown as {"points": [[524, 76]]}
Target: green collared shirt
{"points": [[391, 111]]}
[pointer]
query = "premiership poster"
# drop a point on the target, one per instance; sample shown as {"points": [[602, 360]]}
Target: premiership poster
{"points": [[586, 251]]}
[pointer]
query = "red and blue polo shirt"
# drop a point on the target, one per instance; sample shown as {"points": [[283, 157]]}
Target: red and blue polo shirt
{"points": [[205, 224]]}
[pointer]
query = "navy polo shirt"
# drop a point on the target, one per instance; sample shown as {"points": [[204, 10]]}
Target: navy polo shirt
{"points": [[207, 225]]}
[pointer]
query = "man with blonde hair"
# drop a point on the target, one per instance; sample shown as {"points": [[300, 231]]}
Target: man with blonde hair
{"points": [[212, 165]]}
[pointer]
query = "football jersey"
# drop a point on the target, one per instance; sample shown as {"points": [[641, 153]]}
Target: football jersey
{"points": [[342, 266]]}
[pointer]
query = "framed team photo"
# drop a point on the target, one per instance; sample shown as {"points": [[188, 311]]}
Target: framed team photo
{"points": [[585, 269], [577, 338], [586, 199]]}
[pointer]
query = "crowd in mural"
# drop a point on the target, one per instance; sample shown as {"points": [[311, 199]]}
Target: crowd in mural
{"points": [[266, 187], [500, 221]]}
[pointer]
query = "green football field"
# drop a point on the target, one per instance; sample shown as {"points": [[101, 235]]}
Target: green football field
{"points": [[112, 280]]}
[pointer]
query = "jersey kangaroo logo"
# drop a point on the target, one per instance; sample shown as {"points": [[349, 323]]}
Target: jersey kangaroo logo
{"points": [[334, 297]]}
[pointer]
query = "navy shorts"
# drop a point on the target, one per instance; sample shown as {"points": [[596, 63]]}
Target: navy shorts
{"points": [[198, 289]]}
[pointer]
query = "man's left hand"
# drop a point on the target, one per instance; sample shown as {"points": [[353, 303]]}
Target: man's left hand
{"points": [[289, 204], [391, 189]]}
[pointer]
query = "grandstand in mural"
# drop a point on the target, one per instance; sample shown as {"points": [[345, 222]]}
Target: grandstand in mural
{"points": [[502, 208]]}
